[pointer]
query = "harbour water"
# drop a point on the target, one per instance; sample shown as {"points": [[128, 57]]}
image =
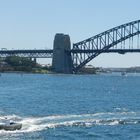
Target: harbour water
{"points": [[71, 107]]}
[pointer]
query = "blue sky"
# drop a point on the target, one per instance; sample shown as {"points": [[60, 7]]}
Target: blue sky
{"points": [[29, 24]]}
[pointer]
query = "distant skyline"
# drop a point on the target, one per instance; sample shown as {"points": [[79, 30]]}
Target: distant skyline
{"points": [[30, 24]]}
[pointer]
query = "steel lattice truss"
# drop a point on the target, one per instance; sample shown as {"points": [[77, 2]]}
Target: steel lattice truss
{"points": [[119, 39], [27, 53]]}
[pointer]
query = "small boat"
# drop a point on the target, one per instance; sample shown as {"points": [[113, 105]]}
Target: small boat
{"points": [[11, 126], [123, 73]]}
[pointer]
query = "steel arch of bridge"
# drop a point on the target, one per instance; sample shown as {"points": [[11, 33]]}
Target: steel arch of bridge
{"points": [[105, 42]]}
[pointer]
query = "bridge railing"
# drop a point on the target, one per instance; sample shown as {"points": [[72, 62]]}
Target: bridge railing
{"points": [[27, 53]]}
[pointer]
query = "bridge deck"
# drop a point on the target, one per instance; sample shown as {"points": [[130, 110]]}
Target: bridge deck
{"points": [[121, 51], [49, 53]]}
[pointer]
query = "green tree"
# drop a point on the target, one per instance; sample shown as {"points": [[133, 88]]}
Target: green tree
{"points": [[20, 63]]}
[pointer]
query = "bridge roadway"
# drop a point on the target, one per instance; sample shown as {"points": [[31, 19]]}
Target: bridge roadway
{"points": [[120, 51], [27, 53], [41, 53]]}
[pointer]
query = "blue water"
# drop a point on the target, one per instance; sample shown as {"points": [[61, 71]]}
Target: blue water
{"points": [[71, 107]]}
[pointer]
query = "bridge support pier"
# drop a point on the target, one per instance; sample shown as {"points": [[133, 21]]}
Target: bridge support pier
{"points": [[62, 61]]}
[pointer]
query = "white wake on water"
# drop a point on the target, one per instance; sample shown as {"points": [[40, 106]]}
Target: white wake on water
{"points": [[32, 124]]}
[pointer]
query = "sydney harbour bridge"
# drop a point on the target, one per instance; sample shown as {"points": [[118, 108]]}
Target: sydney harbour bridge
{"points": [[121, 39]]}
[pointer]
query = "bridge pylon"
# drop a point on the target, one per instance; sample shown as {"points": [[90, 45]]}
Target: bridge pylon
{"points": [[62, 60]]}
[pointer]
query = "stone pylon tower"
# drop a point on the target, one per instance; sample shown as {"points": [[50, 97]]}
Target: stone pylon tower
{"points": [[62, 61]]}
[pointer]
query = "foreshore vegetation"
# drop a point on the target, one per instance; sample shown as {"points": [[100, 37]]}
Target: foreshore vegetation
{"points": [[22, 65]]}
